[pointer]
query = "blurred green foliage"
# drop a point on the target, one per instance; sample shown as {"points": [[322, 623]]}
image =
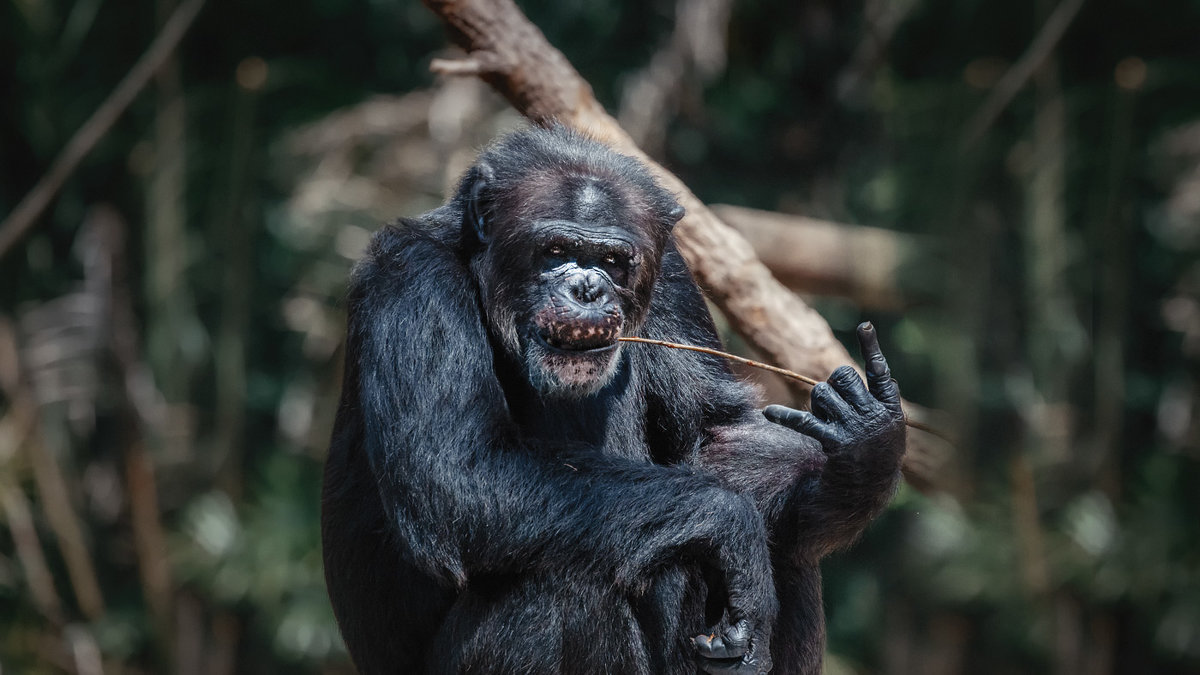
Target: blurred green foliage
{"points": [[1057, 319]]}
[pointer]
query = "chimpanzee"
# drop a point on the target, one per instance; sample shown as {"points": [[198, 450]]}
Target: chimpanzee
{"points": [[512, 490]]}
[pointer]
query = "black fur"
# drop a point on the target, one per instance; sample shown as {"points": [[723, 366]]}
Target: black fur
{"points": [[491, 506]]}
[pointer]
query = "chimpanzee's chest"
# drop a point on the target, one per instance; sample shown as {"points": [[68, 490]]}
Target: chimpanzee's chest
{"points": [[588, 423]]}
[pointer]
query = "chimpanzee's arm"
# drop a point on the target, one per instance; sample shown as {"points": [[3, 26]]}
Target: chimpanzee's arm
{"points": [[467, 496], [820, 488], [816, 489], [862, 431]]}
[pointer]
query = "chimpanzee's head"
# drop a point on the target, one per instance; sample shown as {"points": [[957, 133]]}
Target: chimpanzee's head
{"points": [[565, 237]]}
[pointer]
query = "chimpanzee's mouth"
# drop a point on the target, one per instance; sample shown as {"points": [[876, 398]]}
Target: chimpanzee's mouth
{"points": [[591, 344], [568, 328], [571, 368]]}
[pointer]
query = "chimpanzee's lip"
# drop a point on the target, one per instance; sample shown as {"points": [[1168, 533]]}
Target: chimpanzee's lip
{"points": [[576, 352]]}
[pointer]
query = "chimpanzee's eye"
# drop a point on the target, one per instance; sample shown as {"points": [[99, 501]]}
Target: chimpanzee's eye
{"points": [[610, 259], [555, 251]]}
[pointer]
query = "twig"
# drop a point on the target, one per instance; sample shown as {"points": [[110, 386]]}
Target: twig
{"points": [[68, 527], [31, 206], [1016, 77], [16, 427], [725, 355], [774, 369], [19, 517]]}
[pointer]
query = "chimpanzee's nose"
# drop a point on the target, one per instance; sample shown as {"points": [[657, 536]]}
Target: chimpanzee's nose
{"points": [[588, 288]]}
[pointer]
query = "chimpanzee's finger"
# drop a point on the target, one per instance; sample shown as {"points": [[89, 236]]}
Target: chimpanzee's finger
{"points": [[731, 643], [827, 405], [799, 420], [728, 652], [879, 377], [846, 382]]}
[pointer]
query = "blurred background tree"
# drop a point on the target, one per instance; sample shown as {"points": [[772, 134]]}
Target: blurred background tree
{"points": [[170, 327]]}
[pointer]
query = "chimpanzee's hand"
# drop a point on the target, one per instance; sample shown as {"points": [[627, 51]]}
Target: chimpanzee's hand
{"points": [[846, 416], [740, 643], [734, 650]]}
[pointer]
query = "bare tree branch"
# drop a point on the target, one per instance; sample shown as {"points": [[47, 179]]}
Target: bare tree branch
{"points": [[16, 427], [539, 82], [31, 206], [68, 527], [826, 258], [882, 19], [1017, 76]]}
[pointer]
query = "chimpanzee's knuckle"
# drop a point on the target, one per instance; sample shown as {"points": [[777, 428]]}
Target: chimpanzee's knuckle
{"points": [[844, 375]]}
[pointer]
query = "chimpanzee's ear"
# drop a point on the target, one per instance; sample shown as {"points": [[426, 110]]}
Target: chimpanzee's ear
{"points": [[676, 214], [480, 178]]}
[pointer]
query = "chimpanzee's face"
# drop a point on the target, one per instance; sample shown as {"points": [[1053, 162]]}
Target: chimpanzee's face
{"points": [[571, 267], [583, 305]]}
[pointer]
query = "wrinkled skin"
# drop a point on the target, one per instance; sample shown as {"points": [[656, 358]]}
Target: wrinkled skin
{"points": [[846, 416]]}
